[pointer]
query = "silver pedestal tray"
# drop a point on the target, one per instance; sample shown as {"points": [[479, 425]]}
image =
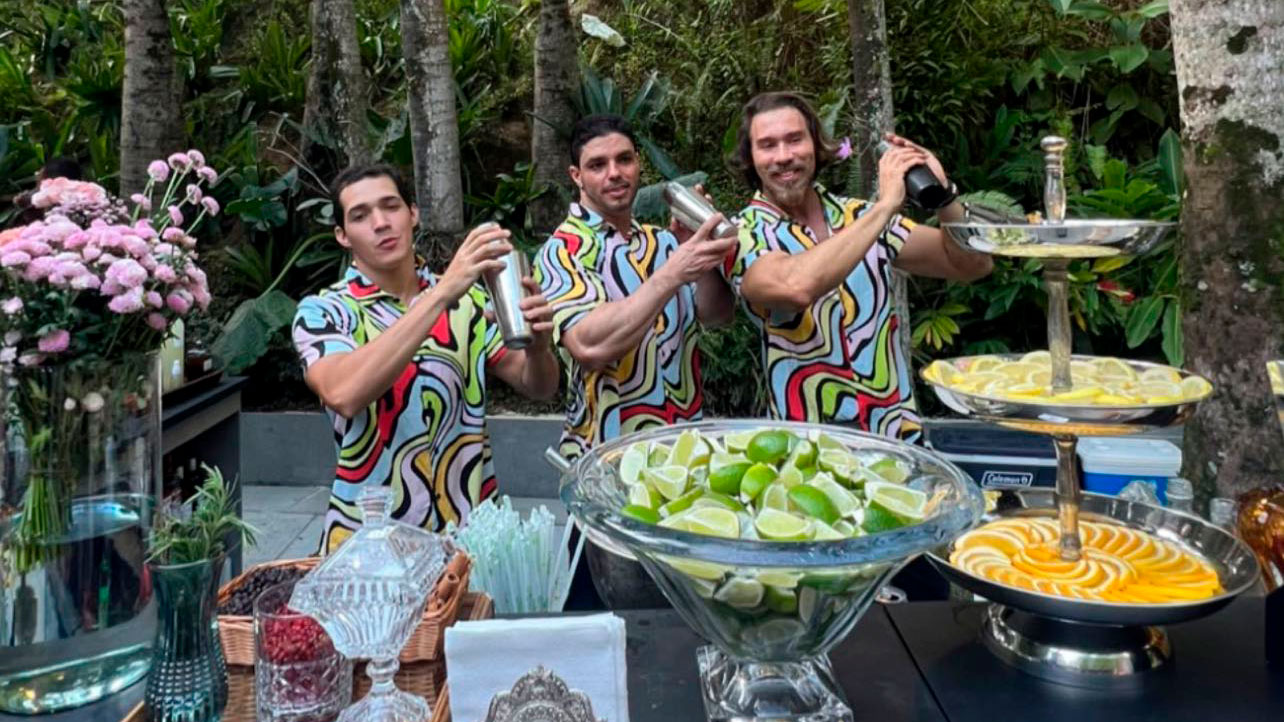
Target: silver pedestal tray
{"points": [[1090, 643], [1070, 239]]}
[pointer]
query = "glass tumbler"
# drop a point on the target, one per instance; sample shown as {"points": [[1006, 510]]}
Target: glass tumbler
{"points": [[298, 674]]}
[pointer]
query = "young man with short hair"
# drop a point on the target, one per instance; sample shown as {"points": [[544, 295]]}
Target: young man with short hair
{"points": [[399, 356], [629, 299], [814, 271]]}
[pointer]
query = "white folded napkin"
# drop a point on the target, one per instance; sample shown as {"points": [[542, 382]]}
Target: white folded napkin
{"points": [[487, 657]]}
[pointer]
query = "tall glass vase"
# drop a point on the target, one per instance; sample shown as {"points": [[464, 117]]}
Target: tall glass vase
{"points": [[79, 453], [188, 681]]}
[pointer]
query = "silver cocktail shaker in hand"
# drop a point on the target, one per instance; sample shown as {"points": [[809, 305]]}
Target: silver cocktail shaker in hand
{"points": [[506, 293], [692, 210]]}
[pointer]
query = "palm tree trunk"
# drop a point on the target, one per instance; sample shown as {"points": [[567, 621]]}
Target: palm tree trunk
{"points": [[1229, 64], [556, 81], [872, 96], [150, 123], [337, 91], [434, 129]]}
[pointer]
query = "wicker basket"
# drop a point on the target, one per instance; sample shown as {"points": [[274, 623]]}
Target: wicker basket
{"points": [[441, 710], [426, 679], [425, 645]]}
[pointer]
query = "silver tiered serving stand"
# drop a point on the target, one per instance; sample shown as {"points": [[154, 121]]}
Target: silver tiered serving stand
{"points": [[1074, 641]]}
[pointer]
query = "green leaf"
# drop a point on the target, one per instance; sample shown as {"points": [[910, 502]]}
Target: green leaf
{"points": [[1170, 167], [1129, 57], [1121, 97], [1114, 173], [246, 335], [1097, 157], [1153, 9], [1061, 6], [661, 160], [1142, 319], [1152, 110], [1174, 342], [1114, 263], [1089, 10]]}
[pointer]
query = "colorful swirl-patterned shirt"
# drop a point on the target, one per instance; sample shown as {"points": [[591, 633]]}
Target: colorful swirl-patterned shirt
{"points": [[839, 360], [588, 262], [426, 436]]}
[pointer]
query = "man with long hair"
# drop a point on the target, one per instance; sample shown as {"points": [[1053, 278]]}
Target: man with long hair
{"points": [[814, 271]]}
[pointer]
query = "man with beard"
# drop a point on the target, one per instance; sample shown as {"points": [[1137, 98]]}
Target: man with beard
{"points": [[628, 302], [399, 356], [628, 299], [814, 271]]}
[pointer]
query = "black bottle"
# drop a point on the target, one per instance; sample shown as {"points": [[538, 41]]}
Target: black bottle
{"points": [[922, 187]]}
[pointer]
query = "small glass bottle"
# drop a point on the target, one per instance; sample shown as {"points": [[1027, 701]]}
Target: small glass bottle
{"points": [[1180, 494], [1221, 512]]}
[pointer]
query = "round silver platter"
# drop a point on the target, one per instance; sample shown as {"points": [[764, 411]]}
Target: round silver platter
{"points": [[1078, 238], [1234, 562], [1060, 418]]}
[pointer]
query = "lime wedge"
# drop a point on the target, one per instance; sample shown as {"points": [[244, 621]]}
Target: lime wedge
{"points": [[756, 478], [781, 600], [682, 503], [706, 520], [804, 456], [658, 455], [713, 498], [775, 497], [908, 505], [740, 593], [643, 495], [643, 514], [814, 502], [689, 450], [774, 632], [703, 587], [697, 570], [877, 519], [726, 472], [891, 469], [777, 525], [824, 532], [738, 441], [768, 446], [670, 481], [843, 500], [633, 462], [824, 442], [844, 527], [842, 465], [778, 578], [790, 476]]}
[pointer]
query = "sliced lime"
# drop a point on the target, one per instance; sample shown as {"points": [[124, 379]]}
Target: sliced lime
{"points": [[777, 525], [703, 587], [697, 570], [643, 514], [682, 503], [781, 600], [846, 528], [843, 500], [808, 600], [706, 520], [633, 462], [740, 593], [890, 469], [842, 465], [804, 455], [713, 498], [689, 450], [725, 473], [738, 441], [768, 446], [824, 532], [815, 503], [877, 519], [756, 478], [658, 455], [908, 505], [670, 481], [779, 578], [643, 495], [775, 497], [824, 441]]}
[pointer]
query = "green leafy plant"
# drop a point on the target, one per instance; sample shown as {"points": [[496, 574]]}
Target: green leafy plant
{"points": [[198, 530], [599, 95]]}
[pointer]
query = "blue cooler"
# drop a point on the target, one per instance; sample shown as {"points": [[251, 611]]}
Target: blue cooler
{"points": [[1110, 463], [996, 458]]}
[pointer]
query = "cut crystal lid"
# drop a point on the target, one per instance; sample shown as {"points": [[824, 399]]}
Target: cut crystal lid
{"points": [[406, 561]]}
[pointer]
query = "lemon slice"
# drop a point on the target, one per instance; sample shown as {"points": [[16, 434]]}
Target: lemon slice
{"points": [[706, 520], [740, 593], [1162, 373], [670, 481], [1042, 358], [984, 364], [1195, 387], [777, 525], [1042, 377], [1112, 368], [1016, 371], [1159, 389], [1077, 396]]}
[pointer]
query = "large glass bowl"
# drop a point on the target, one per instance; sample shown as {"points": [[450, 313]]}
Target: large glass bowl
{"points": [[771, 609]]}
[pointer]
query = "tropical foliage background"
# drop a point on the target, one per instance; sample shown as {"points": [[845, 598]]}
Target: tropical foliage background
{"points": [[978, 81]]}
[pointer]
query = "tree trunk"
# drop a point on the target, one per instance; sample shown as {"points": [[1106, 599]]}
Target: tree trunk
{"points": [[1230, 75], [872, 101], [150, 118], [434, 129], [556, 81], [337, 91]]}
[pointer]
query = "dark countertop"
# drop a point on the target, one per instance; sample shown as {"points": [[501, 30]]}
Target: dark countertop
{"points": [[922, 662]]}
